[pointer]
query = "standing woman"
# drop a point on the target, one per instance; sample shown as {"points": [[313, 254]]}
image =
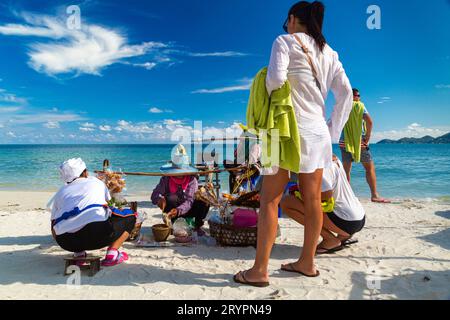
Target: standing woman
{"points": [[313, 69]]}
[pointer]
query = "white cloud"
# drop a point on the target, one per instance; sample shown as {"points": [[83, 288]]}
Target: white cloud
{"points": [[245, 86], [170, 122], [87, 50], [11, 134], [105, 128], [89, 125], [442, 86], [134, 128], [146, 65], [12, 98], [414, 130], [52, 125], [90, 49], [155, 110], [9, 109], [414, 126], [84, 129], [384, 100], [44, 117], [219, 54]]}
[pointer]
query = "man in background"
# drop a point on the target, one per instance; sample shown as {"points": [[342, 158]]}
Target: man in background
{"points": [[354, 144]]}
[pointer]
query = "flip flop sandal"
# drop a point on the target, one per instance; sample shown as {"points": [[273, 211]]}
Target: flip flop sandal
{"points": [[383, 201], [121, 258], [349, 242], [330, 251], [248, 283], [290, 268]]}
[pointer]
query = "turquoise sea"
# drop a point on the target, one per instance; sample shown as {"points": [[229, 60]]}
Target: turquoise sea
{"points": [[404, 171]]}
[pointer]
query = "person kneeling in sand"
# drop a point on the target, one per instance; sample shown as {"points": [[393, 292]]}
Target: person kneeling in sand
{"points": [[346, 215], [81, 219], [175, 196], [175, 192]]}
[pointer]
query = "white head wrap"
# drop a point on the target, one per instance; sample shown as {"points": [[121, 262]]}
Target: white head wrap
{"points": [[71, 169]]}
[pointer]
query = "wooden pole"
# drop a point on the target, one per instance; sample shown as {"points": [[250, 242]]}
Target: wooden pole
{"points": [[181, 174]]}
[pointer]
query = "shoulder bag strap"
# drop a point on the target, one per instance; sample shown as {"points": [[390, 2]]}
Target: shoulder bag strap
{"points": [[308, 56]]}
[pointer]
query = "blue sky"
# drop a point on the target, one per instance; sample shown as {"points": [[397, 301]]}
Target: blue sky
{"points": [[138, 70]]}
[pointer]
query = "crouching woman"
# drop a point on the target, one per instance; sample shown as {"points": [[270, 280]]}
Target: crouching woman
{"points": [[343, 214], [81, 219], [175, 196]]}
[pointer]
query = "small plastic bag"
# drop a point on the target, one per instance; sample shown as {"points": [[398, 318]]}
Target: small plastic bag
{"points": [[141, 217], [181, 228], [214, 216]]}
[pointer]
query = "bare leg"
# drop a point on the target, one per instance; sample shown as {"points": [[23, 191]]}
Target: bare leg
{"points": [[119, 242], [348, 170], [272, 191], [371, 178], [310, 186], [294, 208]]}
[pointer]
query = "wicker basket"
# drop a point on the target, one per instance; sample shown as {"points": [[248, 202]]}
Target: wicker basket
{"points": [[230, 236]]}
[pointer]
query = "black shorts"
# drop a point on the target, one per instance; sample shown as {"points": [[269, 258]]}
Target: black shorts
{"points": [[96, 235], [350, 227]]}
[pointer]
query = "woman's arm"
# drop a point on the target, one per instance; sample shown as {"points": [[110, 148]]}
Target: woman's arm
{"points": [[159, 191], [343, 95], [278, 67], [189, 197]]}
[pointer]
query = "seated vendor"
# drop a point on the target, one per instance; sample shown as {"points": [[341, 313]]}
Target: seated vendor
{"points": [[175, 196], [343, 216], [81, 219]]}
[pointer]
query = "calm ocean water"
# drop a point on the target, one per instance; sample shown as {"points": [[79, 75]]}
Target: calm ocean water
{"points": [[404, 171]]}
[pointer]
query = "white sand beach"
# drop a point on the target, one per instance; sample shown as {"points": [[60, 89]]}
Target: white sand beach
{"points": [[403, 253]]}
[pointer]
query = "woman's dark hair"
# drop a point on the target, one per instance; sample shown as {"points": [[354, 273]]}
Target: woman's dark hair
{"points": [[311, 14]]}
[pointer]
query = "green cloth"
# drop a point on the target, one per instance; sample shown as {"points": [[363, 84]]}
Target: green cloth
{"points": [[276, 112], [353, 131]]}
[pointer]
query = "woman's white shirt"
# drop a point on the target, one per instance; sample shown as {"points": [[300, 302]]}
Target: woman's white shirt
{"points": [[347, 205], [289, 62], [80, 194]]}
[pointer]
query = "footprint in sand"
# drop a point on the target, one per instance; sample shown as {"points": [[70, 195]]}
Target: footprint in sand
{"points": [[278, 294]]}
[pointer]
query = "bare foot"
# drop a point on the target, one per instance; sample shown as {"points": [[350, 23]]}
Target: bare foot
{"points": [[302, 268], [328, 244], [255, 276], [380, 200]]}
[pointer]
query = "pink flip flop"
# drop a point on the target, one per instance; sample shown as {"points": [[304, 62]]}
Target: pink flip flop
{"points": [[121, 258]]}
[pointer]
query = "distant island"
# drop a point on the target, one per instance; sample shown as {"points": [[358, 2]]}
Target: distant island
{"points": [[445, 139]]}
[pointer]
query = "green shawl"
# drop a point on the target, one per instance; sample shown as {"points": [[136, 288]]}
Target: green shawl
{"points": [[272, 113]]}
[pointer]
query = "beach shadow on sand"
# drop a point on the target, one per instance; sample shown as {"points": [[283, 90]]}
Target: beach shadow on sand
{"points": [[41, 266], [412, 285], [444, 214], [27, 240], [440, 238], [34, 266]]}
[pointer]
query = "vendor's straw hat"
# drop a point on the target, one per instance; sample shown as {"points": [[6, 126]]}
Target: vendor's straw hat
{"points": [[180, 162]]}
